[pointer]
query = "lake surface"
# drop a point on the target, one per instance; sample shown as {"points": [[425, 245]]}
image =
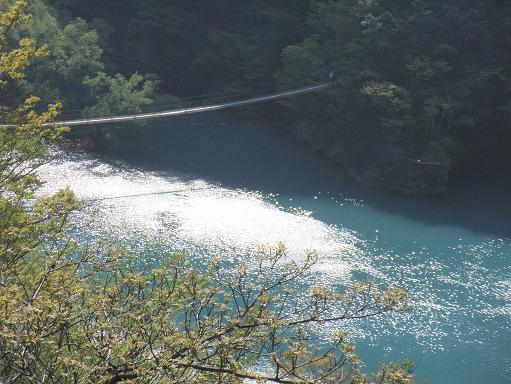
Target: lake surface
{"points": [[221, 185]]}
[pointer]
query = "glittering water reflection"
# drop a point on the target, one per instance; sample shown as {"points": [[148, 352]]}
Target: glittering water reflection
{"points": [[199, 217], [460, 330]]}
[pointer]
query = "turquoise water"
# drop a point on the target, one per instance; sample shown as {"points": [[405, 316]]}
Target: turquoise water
{"points": [[220, 185]]}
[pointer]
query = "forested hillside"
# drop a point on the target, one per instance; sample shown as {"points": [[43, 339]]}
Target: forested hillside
{"points": [[424, 86]]}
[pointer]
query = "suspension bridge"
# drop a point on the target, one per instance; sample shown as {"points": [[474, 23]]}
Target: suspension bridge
{"points": [[225, 103]]}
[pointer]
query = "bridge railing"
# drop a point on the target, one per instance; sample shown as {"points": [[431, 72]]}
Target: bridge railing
{"points": [[198, 105]]}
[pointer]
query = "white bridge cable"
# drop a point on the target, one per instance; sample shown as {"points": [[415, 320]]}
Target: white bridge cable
{"points": [[191, 110], [180, 103], [191, 100]]}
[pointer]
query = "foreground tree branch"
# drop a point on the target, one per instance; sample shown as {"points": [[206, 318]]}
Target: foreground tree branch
{"points": [[71, 313]]}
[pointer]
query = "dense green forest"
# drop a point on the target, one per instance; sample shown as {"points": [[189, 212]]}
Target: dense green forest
{"points": [[424, 86]]}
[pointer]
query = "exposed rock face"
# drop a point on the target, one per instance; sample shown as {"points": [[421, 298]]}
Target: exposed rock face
{"points": [[408, 176], [427, 178], [382, 166]]}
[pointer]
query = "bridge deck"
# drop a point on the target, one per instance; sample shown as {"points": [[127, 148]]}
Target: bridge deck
{"points": [[186, 111]]}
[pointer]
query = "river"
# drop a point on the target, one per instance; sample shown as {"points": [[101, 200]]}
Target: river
{"points": [[223, 185]]}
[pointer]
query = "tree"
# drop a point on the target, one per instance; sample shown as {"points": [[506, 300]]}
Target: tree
{"points": [[73, 53], [418, 80], [74, 71], [74, 313], [118, 95]]}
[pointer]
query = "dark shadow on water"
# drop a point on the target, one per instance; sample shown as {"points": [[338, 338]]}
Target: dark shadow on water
{"points": [[263, 156]]}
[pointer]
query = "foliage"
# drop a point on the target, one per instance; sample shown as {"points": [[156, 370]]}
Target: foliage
{"points": [[418, 80], [118, 95], [76, 313], [222, 45], [73, 71], [445, 62]]}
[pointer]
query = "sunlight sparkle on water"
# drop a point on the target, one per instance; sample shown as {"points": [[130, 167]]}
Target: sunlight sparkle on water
{"points": [[462, 287], [188, 214]]}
